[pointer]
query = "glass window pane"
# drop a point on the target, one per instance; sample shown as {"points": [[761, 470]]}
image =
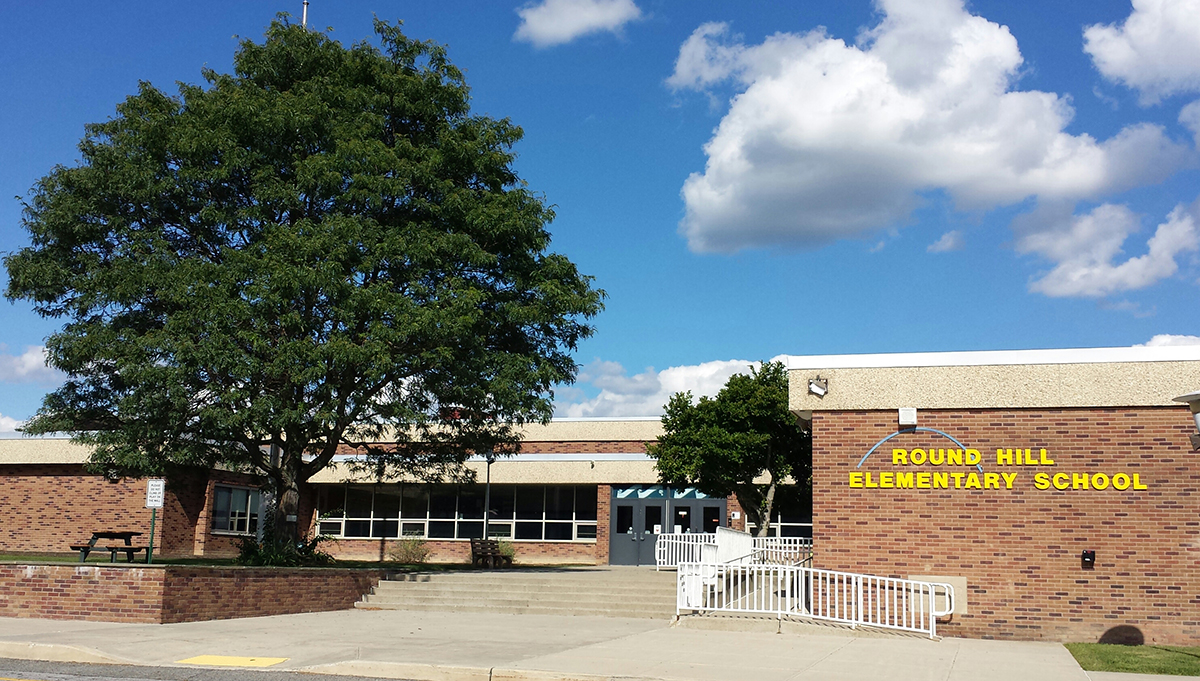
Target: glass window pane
{"points": [[712, 518], [415, 501], [500, 530], [470, 503], [585, 502], [529, 503], [529, 530], [470, 529], [442, 501], [330, 527], [358, 528], [624, 519], [384, 528], [221, 499], [332, 501], [441, 529], [413, 529], [559, 531], [683, 519], [358, 503], [654, 520], [585, 531], [387, 504], [503, 502], [560, 502]]}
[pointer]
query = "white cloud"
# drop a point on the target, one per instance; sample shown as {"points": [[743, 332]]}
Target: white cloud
{"points": [[27, 367], [8, 424], [646, 393], [1168, 339], [554, 22], [950, 241], [1085, 246], [1189, 116], [1156, 50], [827, 140]]}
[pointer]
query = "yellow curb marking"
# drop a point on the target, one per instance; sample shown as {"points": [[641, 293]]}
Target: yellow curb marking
{"points": [[229, 661]]}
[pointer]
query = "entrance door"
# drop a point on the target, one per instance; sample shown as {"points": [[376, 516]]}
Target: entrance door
{"points": [[636, 525]]}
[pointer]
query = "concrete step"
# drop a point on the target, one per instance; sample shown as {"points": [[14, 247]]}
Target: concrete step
{"points": [[634, 591], [512, 599], [639, 613]]}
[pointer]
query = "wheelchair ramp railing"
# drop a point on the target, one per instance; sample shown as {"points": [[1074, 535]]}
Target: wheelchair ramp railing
{"points": [[672, 549], [807, 593]]}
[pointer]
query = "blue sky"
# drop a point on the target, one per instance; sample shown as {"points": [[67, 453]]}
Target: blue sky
{"points": [[749, 179]]}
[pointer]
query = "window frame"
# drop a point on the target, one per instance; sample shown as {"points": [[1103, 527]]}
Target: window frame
{"points": [[253, 505]]}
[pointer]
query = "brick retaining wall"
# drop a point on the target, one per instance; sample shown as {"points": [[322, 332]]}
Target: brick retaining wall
{"points": [[173, 593]]}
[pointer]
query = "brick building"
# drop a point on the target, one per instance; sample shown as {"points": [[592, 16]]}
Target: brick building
{"points": [[997, 471]]}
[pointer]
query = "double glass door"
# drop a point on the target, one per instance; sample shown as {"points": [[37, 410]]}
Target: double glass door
{"points": [[637, 524]]}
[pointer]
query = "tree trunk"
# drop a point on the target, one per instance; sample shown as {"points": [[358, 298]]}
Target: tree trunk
{"points": [[767, 507], [287, 506]]}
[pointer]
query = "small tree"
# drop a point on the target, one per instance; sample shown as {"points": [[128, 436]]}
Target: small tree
{"points": [[728, 444], [324, 249]]}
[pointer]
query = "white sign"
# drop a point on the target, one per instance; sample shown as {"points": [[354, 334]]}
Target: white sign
{"points": [[155, 491]]}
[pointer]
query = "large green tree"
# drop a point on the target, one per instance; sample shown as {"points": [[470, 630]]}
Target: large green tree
{"points": [[324, 248], [744, 442]]}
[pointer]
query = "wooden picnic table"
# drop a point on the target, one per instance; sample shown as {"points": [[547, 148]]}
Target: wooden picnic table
{"points": [[113, 549]]}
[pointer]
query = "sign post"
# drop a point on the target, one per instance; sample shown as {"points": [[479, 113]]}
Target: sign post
{"points": [[155, 492]]}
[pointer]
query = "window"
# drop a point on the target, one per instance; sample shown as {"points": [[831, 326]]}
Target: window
{"points": [[235, 509], [514, 512]]}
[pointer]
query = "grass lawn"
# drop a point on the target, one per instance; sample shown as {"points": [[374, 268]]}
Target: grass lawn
{"points": [[1146, 659]]}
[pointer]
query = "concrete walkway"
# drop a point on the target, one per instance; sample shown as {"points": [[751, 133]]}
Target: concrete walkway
{"points": [[445, 646]]}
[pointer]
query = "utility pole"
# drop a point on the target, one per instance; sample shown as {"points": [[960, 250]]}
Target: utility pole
{"points": [[304, 15]]}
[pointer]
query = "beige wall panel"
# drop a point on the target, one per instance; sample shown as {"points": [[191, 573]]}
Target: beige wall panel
{"points": [[1115, 384], [42, 450], [536, 472]]}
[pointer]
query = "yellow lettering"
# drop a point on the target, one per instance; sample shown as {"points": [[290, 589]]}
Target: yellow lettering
{"points": [[1079, 481], [1137, 482], [1099, 481], [917, 457], [856, 480], [867, 481], [942, 480], [1045, 460], [899, 457], [937, 457], [991, 481], [885, 480], [957, 480], [1062, 481], [972, 481], [954, 457], [923, 480], [1121, 481], [904, 480], [973, 457], [1003, 457], [1040, 480]]}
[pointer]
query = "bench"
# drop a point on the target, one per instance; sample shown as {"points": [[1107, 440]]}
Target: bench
{"points": [[113, 549], [486, 553]]}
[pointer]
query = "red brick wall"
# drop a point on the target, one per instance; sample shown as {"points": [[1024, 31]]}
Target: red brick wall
{"points": [[603, 522], [1019, 549], [165, 594], [193, 594]]}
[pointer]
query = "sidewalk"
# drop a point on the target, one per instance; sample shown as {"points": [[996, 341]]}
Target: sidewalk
{"points": [[442, 646]]}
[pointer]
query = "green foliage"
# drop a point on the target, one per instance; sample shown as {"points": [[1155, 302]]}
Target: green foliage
{"points": [[282, 553], [410, 551], [507, 549], [324, 248], [1149, 659], [721, 445]]}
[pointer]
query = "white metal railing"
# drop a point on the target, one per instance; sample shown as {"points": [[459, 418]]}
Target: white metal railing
{"points": [[672, 549], [808, 593]]}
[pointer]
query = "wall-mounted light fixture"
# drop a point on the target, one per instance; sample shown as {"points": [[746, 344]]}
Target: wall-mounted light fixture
{"points": [[1087, 560], [818, 386], [908, 416], [1193, 400]]}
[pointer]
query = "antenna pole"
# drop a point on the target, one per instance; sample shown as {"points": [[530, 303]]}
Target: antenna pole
{"points": [[304, 16]]}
